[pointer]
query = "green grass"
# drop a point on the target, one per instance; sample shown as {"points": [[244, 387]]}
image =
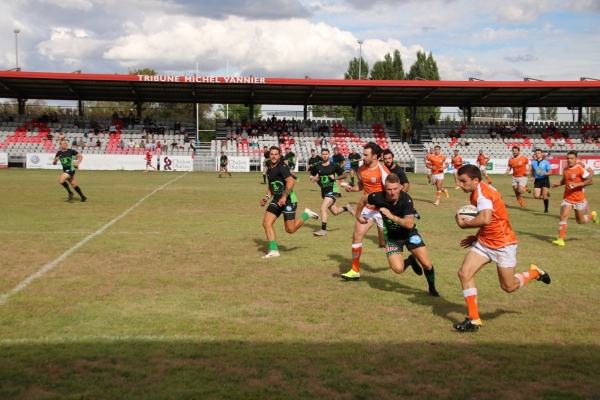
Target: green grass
{"points": [[174, 300]]}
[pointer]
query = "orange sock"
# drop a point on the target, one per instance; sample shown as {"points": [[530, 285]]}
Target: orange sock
{"points": [[562, 229], [526, 189], [525, 277], [439, 194], [521, 202], [589, 217], [471, 298], [356, 252]]}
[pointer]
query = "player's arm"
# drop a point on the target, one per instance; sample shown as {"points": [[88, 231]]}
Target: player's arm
{"points": [[341, 174], [79, 160], [361, 204], [482, 219], [356, 188], [407, 222], [557, 184], [314, 175], [56, 158], [289, 188], [267, 197]]}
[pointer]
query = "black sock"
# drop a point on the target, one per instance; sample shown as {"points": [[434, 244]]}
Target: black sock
{"points": [[407, 263], [66, 186], [351, 181], [78, 190], [345, 208], [265, 178], [430, 276], [324, 226], [545, 204]]}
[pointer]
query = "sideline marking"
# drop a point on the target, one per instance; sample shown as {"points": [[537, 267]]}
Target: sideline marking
{"points": [[4, 298], [589, 229]]}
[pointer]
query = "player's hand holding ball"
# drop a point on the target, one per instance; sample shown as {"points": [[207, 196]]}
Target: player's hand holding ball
{"points": [[468, 241]]}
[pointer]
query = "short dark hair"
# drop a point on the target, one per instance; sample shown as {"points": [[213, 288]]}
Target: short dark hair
{"points": [[572, 152], [516, 147], [336, 148], [437, 147], [470, 170], [536, 150], [324, 149], [312, 150], [275, 148], [375, 148], [392, 178], [386, 152]]}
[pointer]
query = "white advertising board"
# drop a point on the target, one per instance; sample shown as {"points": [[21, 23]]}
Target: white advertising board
{"points": [[3, 160], [97, 162], [236, 164], [176, 163], [593, 163]]}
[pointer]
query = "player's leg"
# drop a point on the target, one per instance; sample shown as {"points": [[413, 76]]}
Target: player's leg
{"points": [[63, 181], [429, 179], [227, 171], [268, 222], [545, 196], [421, 255], [511, 281], [537, 192], [76, 188], [581, 217], [352, 173], [360, 230], [438, 185], [264, 173], [325, 204], [441, 180], [565, 211], [456, 181], [518, 194], [472, 263], [292, 224]]}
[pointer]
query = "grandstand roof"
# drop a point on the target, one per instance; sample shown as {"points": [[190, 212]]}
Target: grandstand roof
{"points": [[222, 90]]}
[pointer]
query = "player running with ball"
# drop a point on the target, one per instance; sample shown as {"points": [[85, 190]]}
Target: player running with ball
{"points": [[495, 241], [398, 214], [66, 157]]}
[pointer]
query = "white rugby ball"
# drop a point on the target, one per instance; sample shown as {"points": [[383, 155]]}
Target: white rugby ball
{"points": [[343, 184], [467, 212]]}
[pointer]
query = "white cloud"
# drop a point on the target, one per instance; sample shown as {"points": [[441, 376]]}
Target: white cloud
{"points": [[83, 5], [520, 11], [71, 48]]}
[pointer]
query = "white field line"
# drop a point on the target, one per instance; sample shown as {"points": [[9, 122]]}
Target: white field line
{"points": [[107, 338], [4, 298], [589, 229]]}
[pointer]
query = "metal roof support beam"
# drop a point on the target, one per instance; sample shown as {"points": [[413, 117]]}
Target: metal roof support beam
{"points": [[579, 115], [359, 113], [305, 112], [469, 113], [72, 90], [489, 92], [136, 96], [524, 115], [312, 92], [7, 87], [368, 96], [427, 95]]}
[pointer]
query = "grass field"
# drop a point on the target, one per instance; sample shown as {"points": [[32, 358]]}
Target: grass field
{"points": [[173, 300]]}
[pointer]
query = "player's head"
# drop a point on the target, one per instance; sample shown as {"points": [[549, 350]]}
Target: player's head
{"points": [[431, 150], [480, 151], [436, 150], [274, 154], [325, 155], [313, 152], [572, 158], [388, 158], [469, 177], [455, 152], [515, 151], [353, 150], [265, 148], [371, 153], [336, 150], [63, 144], [539, 155], [222, 153], [392, 187]]}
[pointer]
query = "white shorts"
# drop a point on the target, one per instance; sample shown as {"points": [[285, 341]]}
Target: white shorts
{"points": [[428, 171], [438, 177], [375, 215], [504, 257], [576, 206], [483, 169], [522, 181]]}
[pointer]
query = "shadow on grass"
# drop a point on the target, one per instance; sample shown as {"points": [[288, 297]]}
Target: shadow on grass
{"points": [[263, 246], [345, 263], [157, 367], [547, 239]]}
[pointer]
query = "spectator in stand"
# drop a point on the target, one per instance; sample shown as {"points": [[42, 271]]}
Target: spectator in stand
{"points": [[315, 127], [174, 145], [50, 136], [388, 122], [404, 135], [254, 141], [81, 143], [142, 144], [60, 136], [323, 141], [98, 143], [431, 120], [411, 137], [317, 142], [147, 145], [121, 144], [131, 144], [115, 115], [74, 144], [112, 129], [229, 122], [153, 145], [90, 143], [244, 134], [281, 141], [561, 143], [182, 130]]}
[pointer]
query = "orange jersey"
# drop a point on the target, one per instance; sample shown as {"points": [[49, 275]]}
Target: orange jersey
{"points": [[457, 162], [518, 165], [482, 160], [148, 156], [428, 160], [497, 233], [437, 163], [373, 179], [576, 174]]}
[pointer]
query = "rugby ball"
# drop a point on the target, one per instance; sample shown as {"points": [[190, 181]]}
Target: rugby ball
{"points": [[343, 184], [467, 212]]}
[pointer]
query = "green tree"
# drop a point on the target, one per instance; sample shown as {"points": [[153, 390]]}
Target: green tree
{"points": [[352, 72], [548, 114], [425, 68], [238, 111]]}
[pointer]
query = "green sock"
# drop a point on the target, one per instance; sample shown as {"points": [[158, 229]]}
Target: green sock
{"points": [[273, 245], [305, 216]]}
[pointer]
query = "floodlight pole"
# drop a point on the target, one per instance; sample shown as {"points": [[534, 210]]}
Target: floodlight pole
{"points": [[17, 47], [360, 42]]}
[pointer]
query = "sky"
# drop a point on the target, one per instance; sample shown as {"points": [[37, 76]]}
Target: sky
{"points": [[491, 40]]}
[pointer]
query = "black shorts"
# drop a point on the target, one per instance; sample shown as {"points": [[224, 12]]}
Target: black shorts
{"points": [[541, 182], [331, 195], [288, 210], [354, 167], [396, 246], [267, 163], [292, 167], [70, 172]]}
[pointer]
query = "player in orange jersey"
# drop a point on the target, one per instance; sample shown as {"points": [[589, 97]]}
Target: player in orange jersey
{"points": [[438, 165], [495, 241], [148, 159], [519, 164], [457, 162], [371, 179], [427, 162], [482, 161], [575, 178]]}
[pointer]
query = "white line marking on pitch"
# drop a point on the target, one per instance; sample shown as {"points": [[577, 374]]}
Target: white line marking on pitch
{"points": [[4, 298], [107, 338], [589, 229]]}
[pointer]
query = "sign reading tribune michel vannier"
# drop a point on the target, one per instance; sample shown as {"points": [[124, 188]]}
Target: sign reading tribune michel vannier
{"points": [[200, 79]]}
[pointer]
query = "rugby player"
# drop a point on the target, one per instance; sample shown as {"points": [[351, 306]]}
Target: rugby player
{"points": [[313, 160], [482, 161], [223, 164], [519, 164], [66, 157], [428, 165], [457, 162], [438, 164], [148, 159], [266, 162], [325, 174], [371, 179], [340, 160], [540, 172], [495, 241], [354, 159], [394, 168], [282, 200], [575, 178], [290, 160], [398, 214]]}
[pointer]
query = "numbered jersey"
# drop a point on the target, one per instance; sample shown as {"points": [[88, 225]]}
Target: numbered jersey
{"points": [[373, 179]]}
